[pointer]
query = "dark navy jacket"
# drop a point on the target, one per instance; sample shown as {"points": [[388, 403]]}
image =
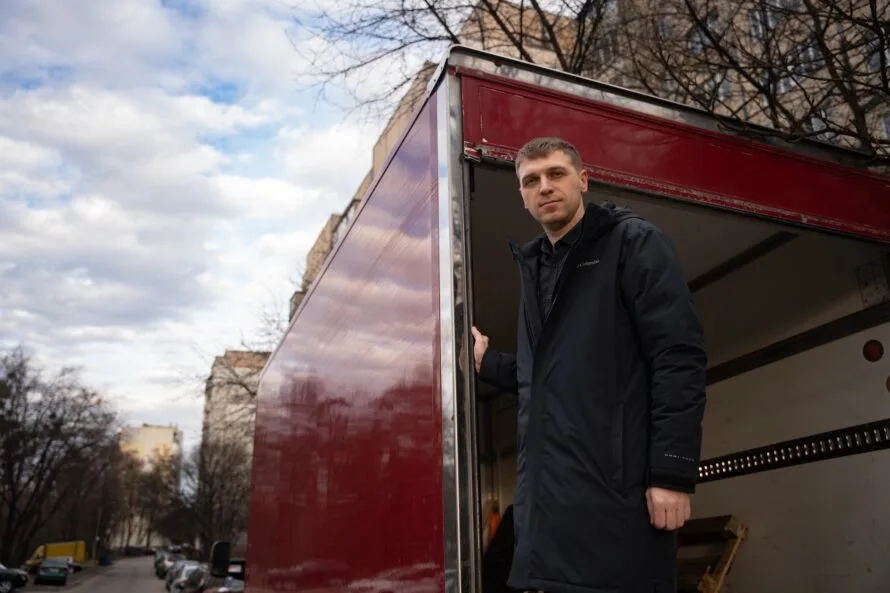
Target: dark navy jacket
{"points": [[611, 397]]}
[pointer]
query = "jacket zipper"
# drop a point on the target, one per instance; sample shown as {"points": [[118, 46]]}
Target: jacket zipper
{"points": [[560, 280]]}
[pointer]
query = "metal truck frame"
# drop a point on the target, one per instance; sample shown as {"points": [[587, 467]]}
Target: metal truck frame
{"points": [[375, 449]]}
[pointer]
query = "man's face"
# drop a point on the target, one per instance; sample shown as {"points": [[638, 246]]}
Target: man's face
{"points": [[552, 188]]}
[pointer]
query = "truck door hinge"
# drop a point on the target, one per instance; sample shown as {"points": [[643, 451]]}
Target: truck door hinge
{"points": [[471, 153]]}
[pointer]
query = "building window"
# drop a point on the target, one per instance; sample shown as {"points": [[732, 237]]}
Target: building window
{"points": [[545, 34], [806, 60], [764, 19], [876, 50], [664, 29], [758, 29], [886, 121], [724, 89], [607, 49], [818, 124], [698, 37], [809, 58], [718, 87], [784, 84]]}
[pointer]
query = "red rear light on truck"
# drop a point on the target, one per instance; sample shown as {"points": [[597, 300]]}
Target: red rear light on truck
{"points": [[873, 351]]}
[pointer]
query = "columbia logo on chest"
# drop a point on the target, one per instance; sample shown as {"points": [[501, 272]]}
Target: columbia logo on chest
{"points": [[591, 262]]}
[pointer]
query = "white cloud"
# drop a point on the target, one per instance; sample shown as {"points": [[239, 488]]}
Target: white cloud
{"points": [[267, 198], [335, 158], [25, 156], [116, 40], [161, 180]]}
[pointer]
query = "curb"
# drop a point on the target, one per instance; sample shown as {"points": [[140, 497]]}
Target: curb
{"points": [[88, 577]]}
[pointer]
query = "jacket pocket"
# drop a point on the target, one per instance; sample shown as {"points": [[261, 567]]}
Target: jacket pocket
{"points": [[617, 448]]}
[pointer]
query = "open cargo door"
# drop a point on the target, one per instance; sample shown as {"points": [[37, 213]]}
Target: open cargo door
{"points": [[785, 250], [354, 473]]}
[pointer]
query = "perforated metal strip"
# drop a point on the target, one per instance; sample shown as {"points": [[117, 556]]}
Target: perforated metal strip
{"points": [[844, 442]]}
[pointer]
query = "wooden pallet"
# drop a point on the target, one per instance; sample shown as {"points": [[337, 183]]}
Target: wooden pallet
{"points": [[706, 550]]}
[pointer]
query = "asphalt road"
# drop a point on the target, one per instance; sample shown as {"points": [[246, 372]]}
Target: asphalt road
{"points": [[127, 575]]}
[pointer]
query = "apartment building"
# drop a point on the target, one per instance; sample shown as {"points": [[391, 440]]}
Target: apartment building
{"points": [[229, 393], [319, 251], [150, 442], [337, 225]]}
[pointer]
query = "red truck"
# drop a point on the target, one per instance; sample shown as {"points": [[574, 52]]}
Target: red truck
{"points": [[377, 448]]}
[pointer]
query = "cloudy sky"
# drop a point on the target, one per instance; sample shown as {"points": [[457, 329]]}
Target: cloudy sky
{"points": [[163, 172]]}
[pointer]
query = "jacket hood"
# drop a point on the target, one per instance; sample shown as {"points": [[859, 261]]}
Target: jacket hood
{"points": [[619, 213]]}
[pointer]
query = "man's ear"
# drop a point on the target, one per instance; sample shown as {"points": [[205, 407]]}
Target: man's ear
{"points": [[585, 181]]}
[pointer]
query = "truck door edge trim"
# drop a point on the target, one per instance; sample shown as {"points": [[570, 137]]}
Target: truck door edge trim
{"points": [[458, 418]]}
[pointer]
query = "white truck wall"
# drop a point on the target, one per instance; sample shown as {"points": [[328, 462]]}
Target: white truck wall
{"points": [[801, 285], [821, 527]]}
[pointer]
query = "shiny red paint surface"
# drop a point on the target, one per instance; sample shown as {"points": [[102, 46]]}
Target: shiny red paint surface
{"points": [[682, 161], [347, 479]]}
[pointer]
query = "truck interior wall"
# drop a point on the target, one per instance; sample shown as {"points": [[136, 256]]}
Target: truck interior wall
{"points": [[813, 527]]}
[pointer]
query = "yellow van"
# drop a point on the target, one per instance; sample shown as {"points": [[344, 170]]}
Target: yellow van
{"points": [[76, 550]]}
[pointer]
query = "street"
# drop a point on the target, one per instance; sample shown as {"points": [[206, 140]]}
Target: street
{"points": [[129, 575]]}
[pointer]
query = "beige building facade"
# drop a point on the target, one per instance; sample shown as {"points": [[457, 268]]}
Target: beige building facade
{"points": [[149, 442], [319, 251], [229, 396]]}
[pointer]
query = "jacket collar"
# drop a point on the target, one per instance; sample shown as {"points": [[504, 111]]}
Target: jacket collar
{"points": [[598, 221]]}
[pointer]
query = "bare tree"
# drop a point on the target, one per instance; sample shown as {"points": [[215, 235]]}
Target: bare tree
{"points": [[53, 433], [229, 390], [803, 68], [158, 491], [397, 38], [230, 394], [212, 501], [118, 497], [218, 474], [90, 509]]}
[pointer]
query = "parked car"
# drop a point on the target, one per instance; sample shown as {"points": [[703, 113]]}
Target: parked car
{"points": [[12, 578], [166, 563], [232, 582], [230, 585], [73, 565], [53, 571], [193, 582], [6, 583], [179, 573]]}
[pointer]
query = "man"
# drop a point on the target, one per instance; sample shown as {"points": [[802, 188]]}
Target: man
{"points": [[610, 372]]}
